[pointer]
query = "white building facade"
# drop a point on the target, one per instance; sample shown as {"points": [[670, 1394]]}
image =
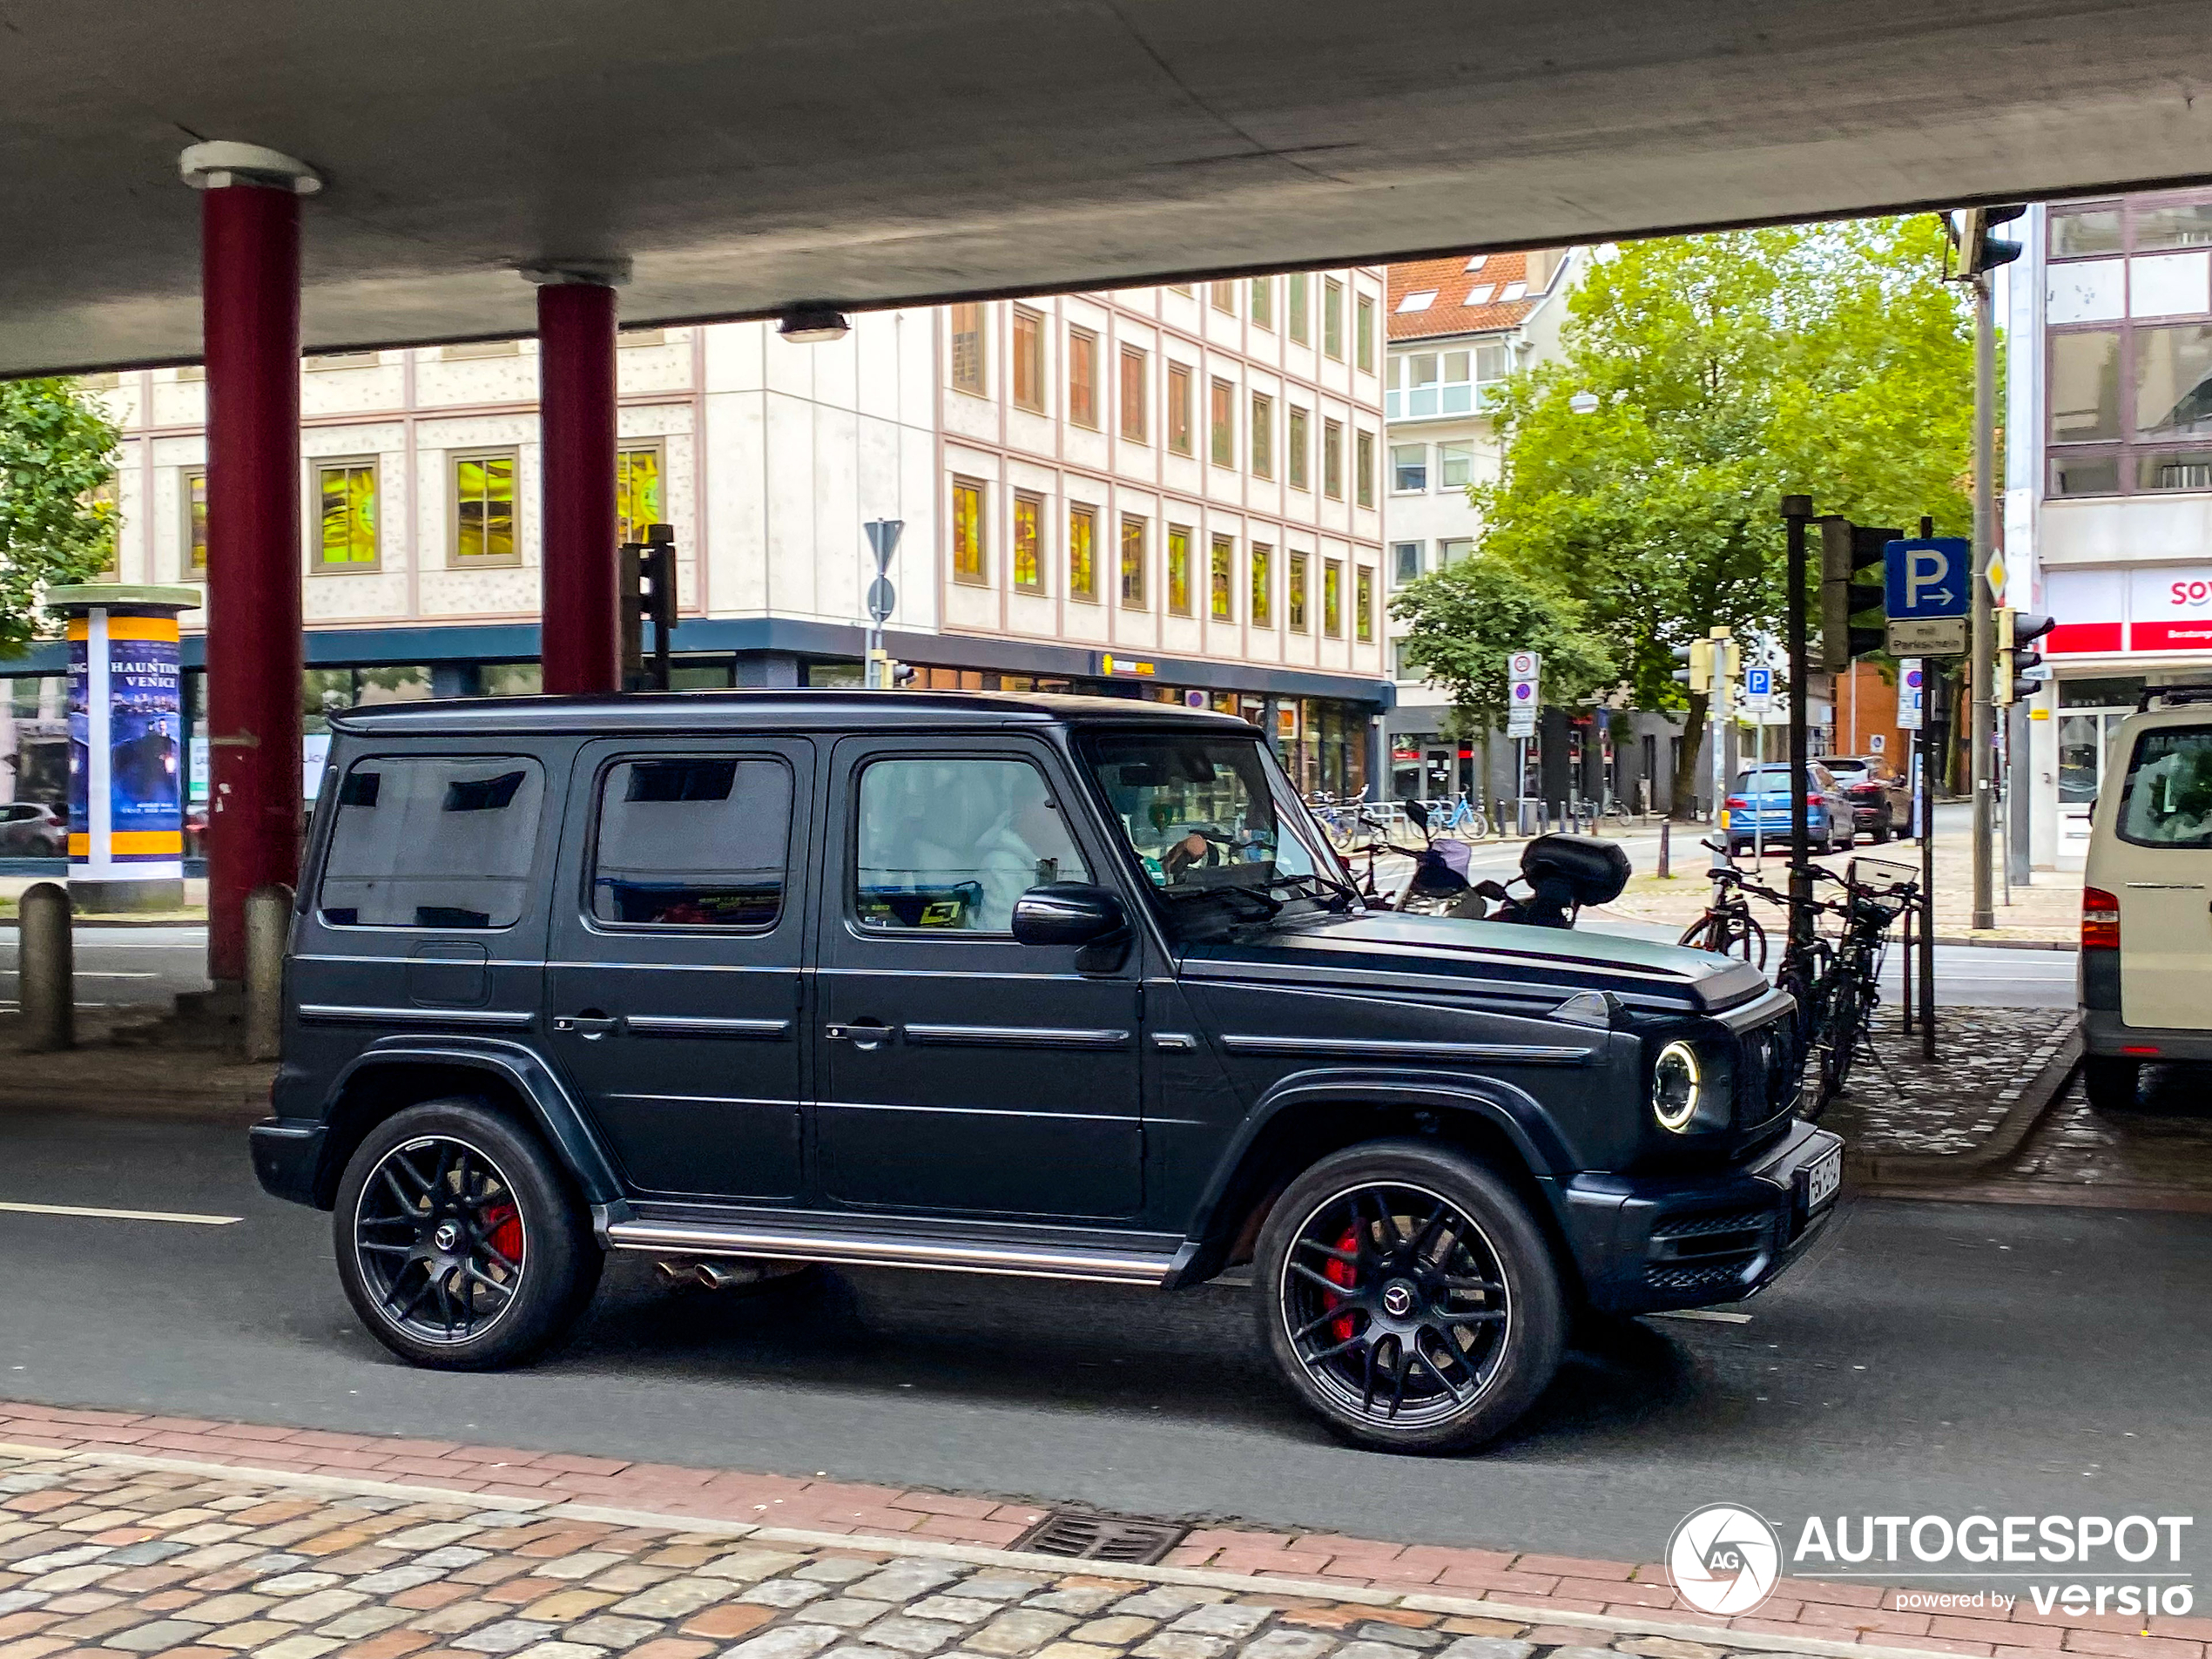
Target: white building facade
{"points": [[1171, 492]]}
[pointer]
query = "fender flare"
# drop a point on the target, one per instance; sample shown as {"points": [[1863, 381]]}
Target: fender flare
{"points": [[552, 1108], [1506, 1107]]}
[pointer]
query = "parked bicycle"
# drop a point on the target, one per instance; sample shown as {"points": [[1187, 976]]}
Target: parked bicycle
{"points": [[1346, 821], [1462, 817], [1728, 927], [1843, 983]]}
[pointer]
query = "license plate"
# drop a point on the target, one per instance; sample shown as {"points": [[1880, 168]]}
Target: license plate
{"points": [[1822, 1179]]}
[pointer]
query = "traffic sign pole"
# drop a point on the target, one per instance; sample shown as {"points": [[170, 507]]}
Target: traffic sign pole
{"points": [[1796, 512], [1984, 916]]}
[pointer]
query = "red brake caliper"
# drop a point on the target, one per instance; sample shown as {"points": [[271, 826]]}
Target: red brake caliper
{"points": [[1340, 1272], [506, 1225]]}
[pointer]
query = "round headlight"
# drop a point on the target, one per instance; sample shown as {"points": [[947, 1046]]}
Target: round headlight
{"points": [[1675, 1087]]}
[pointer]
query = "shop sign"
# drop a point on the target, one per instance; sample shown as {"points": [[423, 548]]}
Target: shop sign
{"points": [[1125, 665], [2171, 609]]}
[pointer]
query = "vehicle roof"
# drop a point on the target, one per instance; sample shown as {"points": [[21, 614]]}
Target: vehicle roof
{"points": [[781, 710]]}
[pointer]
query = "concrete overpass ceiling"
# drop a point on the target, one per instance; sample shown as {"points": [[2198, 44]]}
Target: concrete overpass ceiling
{"points": [[746, 155]]}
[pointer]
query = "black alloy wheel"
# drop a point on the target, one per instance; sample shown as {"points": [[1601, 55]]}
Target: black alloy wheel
{"points": [[1408, 1298], [458, 1242]]}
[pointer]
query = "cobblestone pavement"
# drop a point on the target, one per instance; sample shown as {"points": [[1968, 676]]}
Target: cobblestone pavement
{"points": [[1985, 1057], [105, 1552], [2157, 1155]]}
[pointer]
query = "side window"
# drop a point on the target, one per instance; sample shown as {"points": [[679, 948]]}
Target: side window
{"points": [[440, 841], [950, 844], [2166, 800], [692, 842]]}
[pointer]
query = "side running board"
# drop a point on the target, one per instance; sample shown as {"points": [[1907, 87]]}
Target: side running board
{"points": [[882, 1250]]}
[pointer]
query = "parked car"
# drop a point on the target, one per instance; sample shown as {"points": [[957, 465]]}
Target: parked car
{"points": [[1881, 801], [33, 830], [2145, 970], [1759, 811], [1062, 987]]}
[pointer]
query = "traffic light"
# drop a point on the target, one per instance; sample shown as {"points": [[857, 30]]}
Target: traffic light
{"points": [[2017, 631], [647, 591], [1697, 674], [1850, 581], [1978, 250]]}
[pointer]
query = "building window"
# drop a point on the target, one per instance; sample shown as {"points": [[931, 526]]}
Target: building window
{"points": [[1333, 318], [344, 359], [1028, 555], [1452, 549], [1362, 333], [1263, 600], [1083, 554], [1362, 467], [1179, 570], [1363, 605], [468, 349], [1263, 435], [969, 562], [193, 487], [1408, 468], [1263, 302], [1221, 581], [638, 494], [483, 507], [1179, 408], [1406, 562], [1183, 288], [1332, 460], [967, 349], [1223, 424], [1299, 444], [1083, 377], [1134, 425], [1332, 598], [1132, 563], [346, 504], [1455, 465], [1425, 383], [1301, 323], [1224, 297], [1298, 594], [1028, 360]]}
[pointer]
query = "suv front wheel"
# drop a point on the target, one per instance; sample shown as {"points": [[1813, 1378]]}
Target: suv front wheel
{"points": [[1409, 1297], [458, 1242]]}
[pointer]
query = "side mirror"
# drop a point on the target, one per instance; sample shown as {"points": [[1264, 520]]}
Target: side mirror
{"points": [[1069, 912], [1418, 813]]}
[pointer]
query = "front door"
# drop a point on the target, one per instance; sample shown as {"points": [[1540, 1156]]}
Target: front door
{"points": [[962, 1071], [674, 983], [2162, 852]]}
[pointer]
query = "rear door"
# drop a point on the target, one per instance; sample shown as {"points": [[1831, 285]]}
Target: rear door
{"points": [[673, 986], [2157, 861]]}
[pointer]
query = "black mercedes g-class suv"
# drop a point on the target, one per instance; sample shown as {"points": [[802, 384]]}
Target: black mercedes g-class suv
{"points": [[1059, 986]]}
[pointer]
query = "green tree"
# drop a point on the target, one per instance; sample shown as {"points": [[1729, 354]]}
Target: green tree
{"points": [[57, 523], [1731, 370], [1469, 617]]}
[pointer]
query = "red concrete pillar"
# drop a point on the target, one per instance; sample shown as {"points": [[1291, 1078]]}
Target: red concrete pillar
{"points": [[581, 621], [250, 301]]}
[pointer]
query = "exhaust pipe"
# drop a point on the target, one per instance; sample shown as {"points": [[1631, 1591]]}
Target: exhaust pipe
{"points": [[729, 1273]]}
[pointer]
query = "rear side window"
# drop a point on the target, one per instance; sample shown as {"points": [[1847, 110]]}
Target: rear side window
{"points": [[2166, 800], [692, 842], [440, 841]]}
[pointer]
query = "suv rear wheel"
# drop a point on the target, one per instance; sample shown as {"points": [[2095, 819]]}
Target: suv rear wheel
{"points": [[1408, 1298], [2109, 1082], [458, 1242]]}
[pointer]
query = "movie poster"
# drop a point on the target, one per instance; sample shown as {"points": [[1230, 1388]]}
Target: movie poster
{"points": [[144, 743]]}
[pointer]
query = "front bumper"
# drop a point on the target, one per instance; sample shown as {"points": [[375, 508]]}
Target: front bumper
{"points": [[287, 1155], [1648, 1243]]}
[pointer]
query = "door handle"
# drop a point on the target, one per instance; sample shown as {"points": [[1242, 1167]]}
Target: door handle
{"points": [[589, 1026], [864, 1033]]}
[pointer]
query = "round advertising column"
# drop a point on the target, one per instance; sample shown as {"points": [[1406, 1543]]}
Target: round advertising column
{"points": [[126, 751]]}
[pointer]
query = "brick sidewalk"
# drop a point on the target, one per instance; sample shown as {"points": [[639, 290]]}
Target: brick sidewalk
{"points": [[153, 1535]]}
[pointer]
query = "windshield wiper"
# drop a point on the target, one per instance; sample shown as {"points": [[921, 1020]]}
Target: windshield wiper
{"points": [[1256, 905], [1344, 896]]}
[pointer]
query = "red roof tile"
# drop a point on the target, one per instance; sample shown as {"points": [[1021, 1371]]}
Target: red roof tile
{"points": [[1453, 284]]}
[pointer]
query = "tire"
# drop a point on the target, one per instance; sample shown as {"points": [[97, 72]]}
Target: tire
{"points": [[1882, 830], [459, 1242], [1409, 1219], [2110, 1081]]}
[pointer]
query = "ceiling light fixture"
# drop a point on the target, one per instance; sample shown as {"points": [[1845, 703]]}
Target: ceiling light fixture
{"points": [[814, 324]]}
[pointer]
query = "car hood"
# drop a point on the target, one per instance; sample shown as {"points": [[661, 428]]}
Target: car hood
{"points": [[1428, 954]]}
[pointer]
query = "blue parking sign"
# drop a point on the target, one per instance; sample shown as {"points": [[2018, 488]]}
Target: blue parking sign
{"points": [[1924, 580]]}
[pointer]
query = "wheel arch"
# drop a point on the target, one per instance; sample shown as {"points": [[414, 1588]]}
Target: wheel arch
{"points": [[390, 1077], [1308, 1115]]}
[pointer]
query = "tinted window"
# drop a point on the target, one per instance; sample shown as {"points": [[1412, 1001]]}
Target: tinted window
{"points": [[951, 844], [443, 841], [2166, 800], [696, 841]]}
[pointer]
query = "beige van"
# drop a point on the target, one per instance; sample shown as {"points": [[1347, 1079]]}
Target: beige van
{"points": [[2146, 980]]}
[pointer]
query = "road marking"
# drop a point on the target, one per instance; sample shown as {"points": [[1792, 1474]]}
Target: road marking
{"points": [[12, 973], [118, 1215], [1713, 1315]]}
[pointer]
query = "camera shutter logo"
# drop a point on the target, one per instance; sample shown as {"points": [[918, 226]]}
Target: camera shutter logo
{"points": [[1724, 1560]]}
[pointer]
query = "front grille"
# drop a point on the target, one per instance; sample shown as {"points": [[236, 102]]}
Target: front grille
{"points": [[1716, 1251], [1694, 1278], [1702, 1226], [1080, 1535]]}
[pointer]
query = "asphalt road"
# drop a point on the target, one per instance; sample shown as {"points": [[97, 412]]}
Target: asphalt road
{"points": [[1926, 1358], [121, 966]]}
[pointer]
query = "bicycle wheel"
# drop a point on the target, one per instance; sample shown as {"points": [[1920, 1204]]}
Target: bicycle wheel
{"points": [[1850, 1016], [1477, 825]]}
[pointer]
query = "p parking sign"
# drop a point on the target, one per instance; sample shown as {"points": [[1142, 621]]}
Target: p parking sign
{"points": [[1927, 590]]}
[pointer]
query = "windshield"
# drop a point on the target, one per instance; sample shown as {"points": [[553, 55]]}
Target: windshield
{"points": [[2166, 800], [1214, 823]]}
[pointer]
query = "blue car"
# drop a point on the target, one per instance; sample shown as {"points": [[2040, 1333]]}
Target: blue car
{"points": [[1758, 809]]}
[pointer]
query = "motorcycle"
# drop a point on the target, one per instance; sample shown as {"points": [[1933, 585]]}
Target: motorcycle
{"points": [[1559, 875]]}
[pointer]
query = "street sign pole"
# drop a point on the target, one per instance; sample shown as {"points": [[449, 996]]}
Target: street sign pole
{"points": [[1796, 511], [883, 541], [1985, 633]]}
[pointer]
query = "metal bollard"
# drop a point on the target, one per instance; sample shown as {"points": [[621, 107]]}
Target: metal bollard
{"points": [[268, 920], [1665, 849], [46, 959]]}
